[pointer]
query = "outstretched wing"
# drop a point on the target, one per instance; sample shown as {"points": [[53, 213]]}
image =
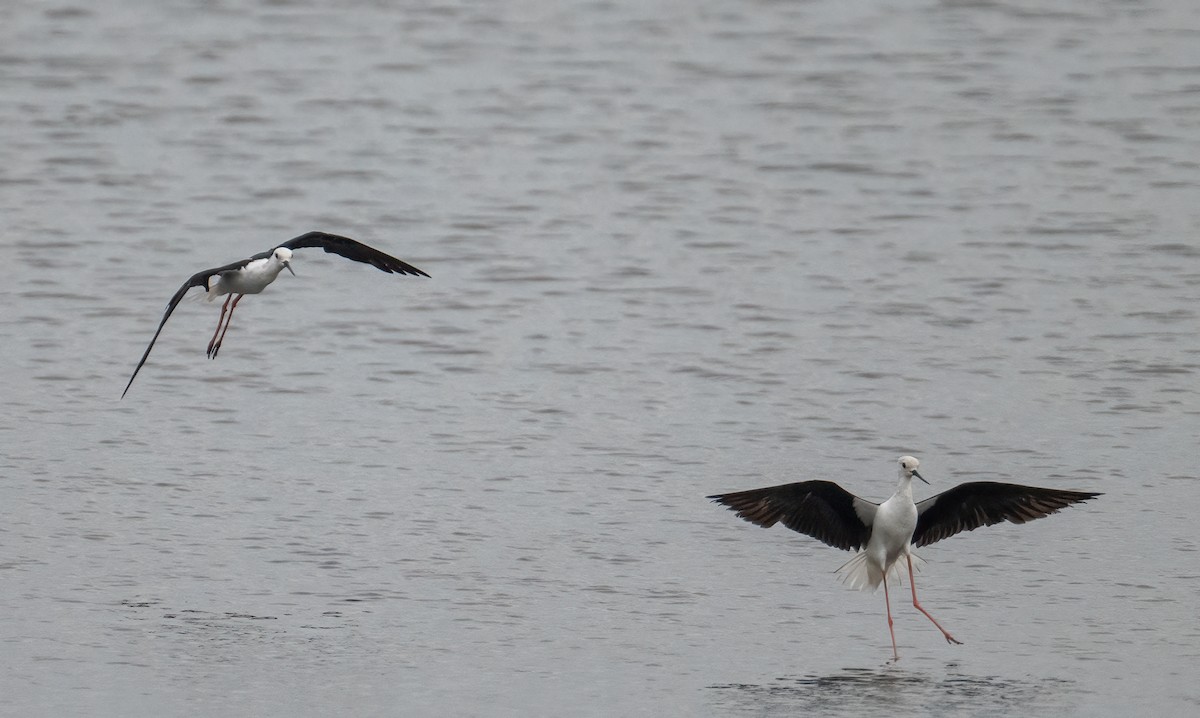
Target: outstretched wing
{"points": [[351, 249], [968, 506], [820, 509], [200, 279]]}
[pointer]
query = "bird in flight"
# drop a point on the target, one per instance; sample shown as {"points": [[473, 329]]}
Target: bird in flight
{"points": [[254, 274], [883, 534]]}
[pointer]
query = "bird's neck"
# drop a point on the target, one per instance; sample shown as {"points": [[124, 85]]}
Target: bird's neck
{"points": [[905, 487], [274, 266]]}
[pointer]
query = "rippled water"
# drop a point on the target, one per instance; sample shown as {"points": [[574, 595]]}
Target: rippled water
{"points": [[676, 248]]}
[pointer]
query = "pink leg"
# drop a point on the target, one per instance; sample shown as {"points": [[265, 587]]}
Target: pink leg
{"points": [[888, 602], [219, 323], [217, 347], [949, 638]]}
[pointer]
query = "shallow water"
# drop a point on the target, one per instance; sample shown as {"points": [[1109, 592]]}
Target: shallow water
{"points": [[675, 249]]}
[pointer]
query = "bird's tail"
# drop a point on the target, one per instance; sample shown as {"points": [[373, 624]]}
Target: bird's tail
{"points": [[862, 575], [213, 287]]}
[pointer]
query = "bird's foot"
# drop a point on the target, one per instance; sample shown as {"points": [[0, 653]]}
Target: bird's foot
{"points": [[952, 639]]}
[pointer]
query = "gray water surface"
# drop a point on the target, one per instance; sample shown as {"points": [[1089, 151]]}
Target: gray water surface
{"points": [[676, 249]]}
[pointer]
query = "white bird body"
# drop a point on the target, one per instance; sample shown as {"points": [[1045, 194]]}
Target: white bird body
{"points": [[883, 534], [256, 276], [891, 537]]}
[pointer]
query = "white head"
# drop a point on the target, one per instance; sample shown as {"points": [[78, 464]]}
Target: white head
{"points": [[908, 468], [283, 255]]}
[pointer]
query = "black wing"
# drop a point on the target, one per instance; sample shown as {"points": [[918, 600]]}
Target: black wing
{"points": [[199, 279], [968, 506], [820, 509], [350, 249]]}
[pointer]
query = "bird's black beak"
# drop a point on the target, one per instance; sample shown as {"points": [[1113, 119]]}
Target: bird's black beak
{"points": [[289, 267], [922, 478]]}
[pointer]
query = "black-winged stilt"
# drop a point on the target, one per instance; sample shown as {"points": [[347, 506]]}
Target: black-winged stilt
{"points": [[254, 274], [888, 531]]}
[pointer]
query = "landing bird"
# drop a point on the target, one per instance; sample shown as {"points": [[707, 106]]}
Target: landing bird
{"points": [[252, 275], [888, 531]]}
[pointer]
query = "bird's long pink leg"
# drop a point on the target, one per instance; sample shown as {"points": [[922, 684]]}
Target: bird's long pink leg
{"points": [[217, 347], [917, 605], [219, 323], [888, 602]]}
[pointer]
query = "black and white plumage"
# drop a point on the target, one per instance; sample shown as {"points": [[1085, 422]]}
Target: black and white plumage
{"points": [[883, 533], [254, 274]]}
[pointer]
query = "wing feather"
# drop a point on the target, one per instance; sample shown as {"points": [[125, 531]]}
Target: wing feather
{"points": [[820, 509], [968, 506], [199, 279], [350, 249]]}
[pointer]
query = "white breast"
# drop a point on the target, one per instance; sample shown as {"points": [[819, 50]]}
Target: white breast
{"points": [[250, 279]]}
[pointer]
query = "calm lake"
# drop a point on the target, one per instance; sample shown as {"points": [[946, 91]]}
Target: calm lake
{"points": [[677, 248]]}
